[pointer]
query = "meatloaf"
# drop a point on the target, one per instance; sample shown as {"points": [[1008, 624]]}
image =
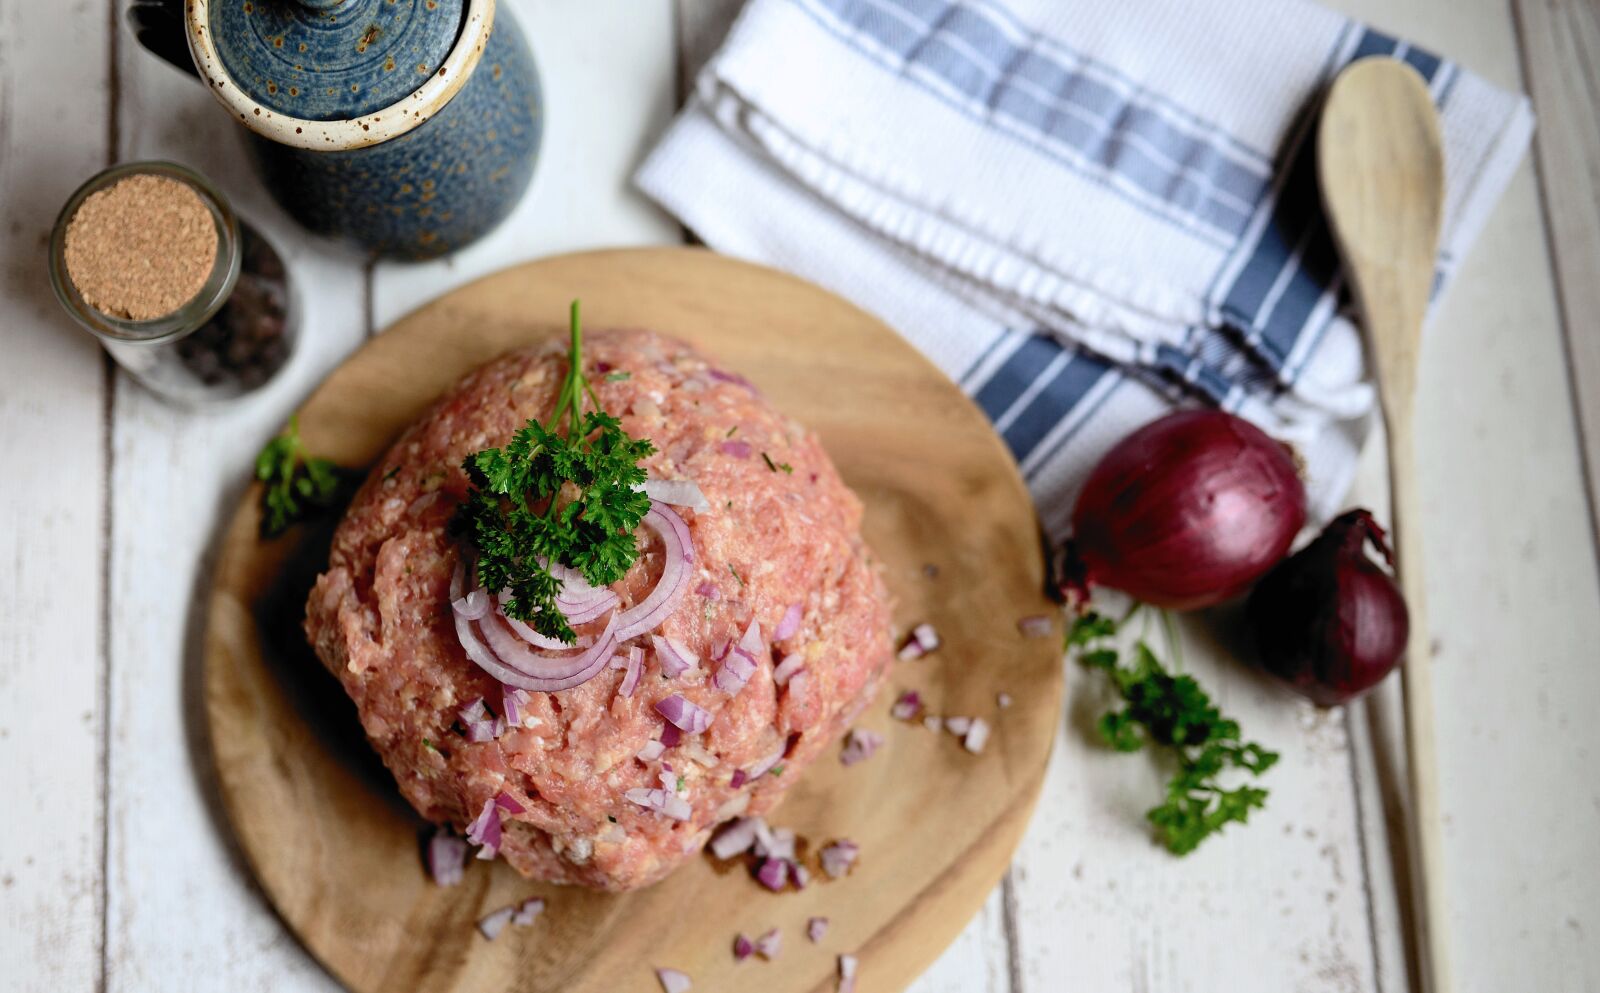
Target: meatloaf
{"points": [[782, 530]]}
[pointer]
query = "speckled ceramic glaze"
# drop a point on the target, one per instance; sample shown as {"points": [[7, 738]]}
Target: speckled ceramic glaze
{"points": [[408, 126]]}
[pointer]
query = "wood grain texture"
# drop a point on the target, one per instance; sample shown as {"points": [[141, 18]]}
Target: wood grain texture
{"points": [[1560, 42], [339, 858], [1380, 163], [52, 435]]}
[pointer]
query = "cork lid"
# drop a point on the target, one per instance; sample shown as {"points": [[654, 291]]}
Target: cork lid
{"points": [[333, 60]]}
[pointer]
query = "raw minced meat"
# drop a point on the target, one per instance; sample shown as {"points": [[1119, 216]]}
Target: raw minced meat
{"points": [[380, 618]]}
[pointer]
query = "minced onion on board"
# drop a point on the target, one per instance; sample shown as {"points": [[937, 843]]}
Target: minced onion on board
{"points": [[673, 981], [859, 745], [847, 974], [770, 944], [447, 858], [922, 640], [816, 929]]}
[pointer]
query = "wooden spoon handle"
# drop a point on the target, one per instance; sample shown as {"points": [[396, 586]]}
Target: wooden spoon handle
{"points": [[1429, 910]]}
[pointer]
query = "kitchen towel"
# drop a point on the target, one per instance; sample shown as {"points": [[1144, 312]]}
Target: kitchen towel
{"points": [[1083, 212]]}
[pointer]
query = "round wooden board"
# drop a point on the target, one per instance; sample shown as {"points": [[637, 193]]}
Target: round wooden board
{"points": [[336, 849]]}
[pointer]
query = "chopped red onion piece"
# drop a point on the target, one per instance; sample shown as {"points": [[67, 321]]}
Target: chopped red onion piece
{"points": [[527, 912], [447, 856], [667, 778], [735, 672], [480, 731], [491, 926], [686, 716], [737, 448], [737, 779], [800, 874], [770, 944], [673, 981], [775, 843], [751, 641], [788, 669], [859, 745], [709, 590], [838, 857], [732, 807], [1034, 626], [631, 678], [473, 712], [762, 766], [677, 556], [923, 639], [661, 801], [932, 722], [816, 928], [513, 702], [670, 736], [508, 803], [773, 874], [674, 656], [907, 706], [471, 606], [958, 726], [977, 735], [790, 625], [485, 831], [743, 948], [736, 837], [651, 751], [799, 685], [677, 492], [847, 974], [1003, 700]]}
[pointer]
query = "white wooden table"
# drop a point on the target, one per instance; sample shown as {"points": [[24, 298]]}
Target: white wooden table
{"points": [[116, 872]]}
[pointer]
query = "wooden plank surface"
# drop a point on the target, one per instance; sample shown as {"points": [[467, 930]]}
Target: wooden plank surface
{"points": [[1509, 550], [52, 514]]}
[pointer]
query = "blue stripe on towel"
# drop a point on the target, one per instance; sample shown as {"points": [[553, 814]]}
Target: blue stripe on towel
{"points": [[1036, 387], [1167, 162]]}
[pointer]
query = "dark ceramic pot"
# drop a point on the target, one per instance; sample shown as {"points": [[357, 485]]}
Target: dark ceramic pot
{"points": [[410, 127]]}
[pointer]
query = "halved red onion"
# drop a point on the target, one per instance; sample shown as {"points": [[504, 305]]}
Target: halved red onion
{"points": [[661, 801], [773, 874], [678, 493], [739, 449], [788, 669], [1034, 626], [472, 605], [770, 944], [674, 656], [859, 745], [491, 926], [789, 625], [816, 928], [673, 981], [630, 679], [473, 712], [762, 766], [847, 974], [677, 555], [838, 857], [907, 706], [686, 716], [736, 837], [528, 911], [505, 801], [958, 725], [735, 672], [977, 736], [743, 948], [447, 856]]}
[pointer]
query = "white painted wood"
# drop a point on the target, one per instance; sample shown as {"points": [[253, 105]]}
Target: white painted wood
{"points": [[976, 961], [51, 513]]}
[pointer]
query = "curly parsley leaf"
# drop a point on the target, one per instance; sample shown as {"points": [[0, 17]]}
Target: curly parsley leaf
{"points": [[297, 486], [1172, 711], [564, 491]]}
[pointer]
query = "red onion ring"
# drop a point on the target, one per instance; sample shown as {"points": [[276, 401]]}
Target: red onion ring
{"points": [[472, 606], [546, 673], [677, 556]]}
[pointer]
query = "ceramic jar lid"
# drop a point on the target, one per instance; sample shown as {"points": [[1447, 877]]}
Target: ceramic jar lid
{"points": [[331, 60]]}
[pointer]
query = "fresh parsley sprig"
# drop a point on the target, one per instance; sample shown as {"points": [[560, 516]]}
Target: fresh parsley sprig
{"points": [[1173, 711], [297, 485], [565, 491]]}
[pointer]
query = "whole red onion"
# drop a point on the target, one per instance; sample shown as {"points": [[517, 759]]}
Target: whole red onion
{"points": [[1329, 621], [1187, 511]]}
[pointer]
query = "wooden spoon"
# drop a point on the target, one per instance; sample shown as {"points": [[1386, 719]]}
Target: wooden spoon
{"points": [[1381, 166]]}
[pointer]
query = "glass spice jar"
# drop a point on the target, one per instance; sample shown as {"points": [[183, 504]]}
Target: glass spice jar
{"points": [[232, 335]]}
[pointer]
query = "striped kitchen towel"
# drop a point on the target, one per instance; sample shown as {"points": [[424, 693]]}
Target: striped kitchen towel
{"points": [[1084, 212]]}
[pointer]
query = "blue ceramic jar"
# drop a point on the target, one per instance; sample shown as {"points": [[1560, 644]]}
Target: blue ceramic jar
{"points": [[410, 127]]}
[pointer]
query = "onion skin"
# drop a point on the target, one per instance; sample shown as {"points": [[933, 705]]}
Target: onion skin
{"points": [[1329, 622], [1187, 511]]}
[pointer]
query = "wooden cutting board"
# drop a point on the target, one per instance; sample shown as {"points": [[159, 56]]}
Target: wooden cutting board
{"points": [[337, 850]]}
